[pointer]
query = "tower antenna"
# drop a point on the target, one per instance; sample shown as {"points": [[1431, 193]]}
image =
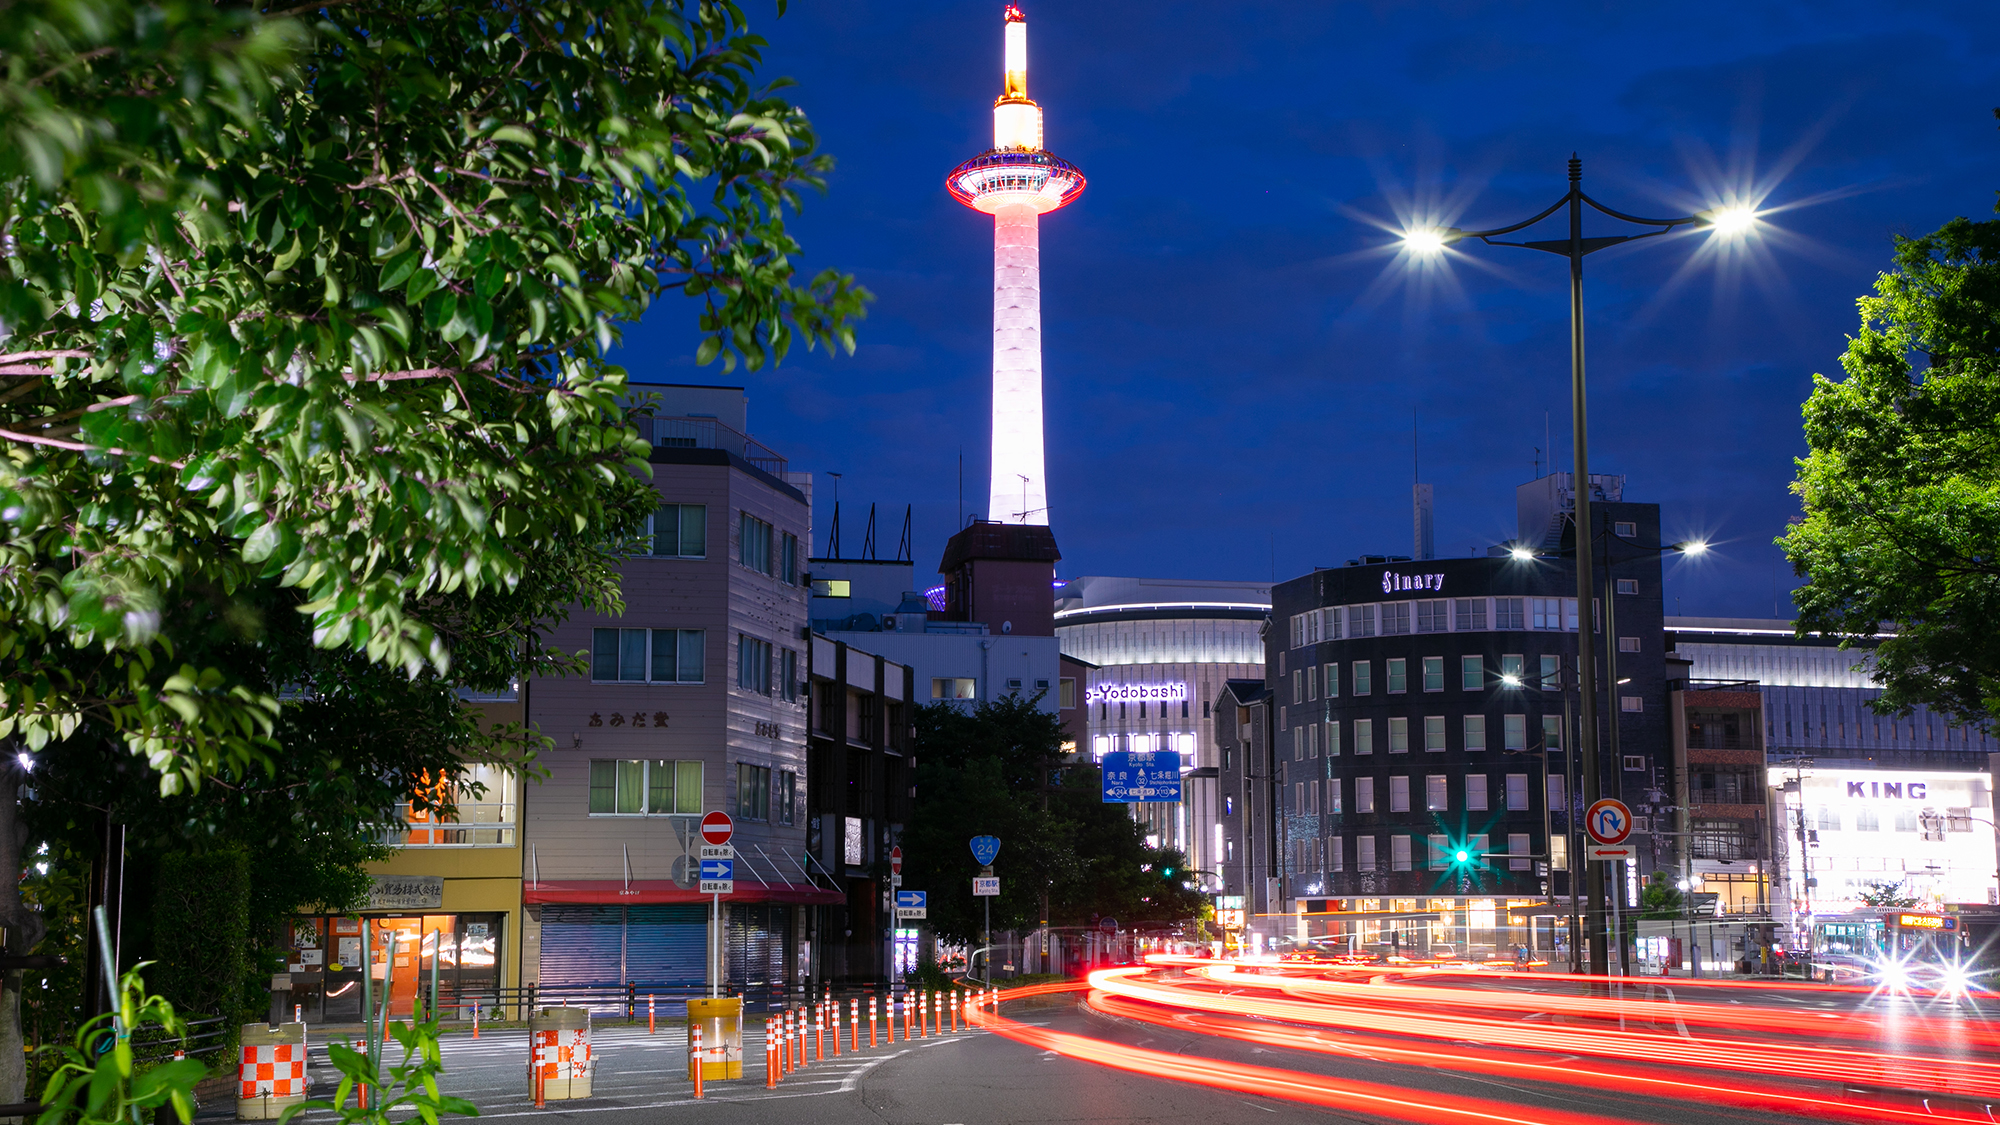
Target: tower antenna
{"points": [[905, 545], [868, 537]]}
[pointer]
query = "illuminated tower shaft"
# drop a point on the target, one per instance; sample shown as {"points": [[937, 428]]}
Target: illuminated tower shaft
{"points": [[1015, 182], [1019, 492]]}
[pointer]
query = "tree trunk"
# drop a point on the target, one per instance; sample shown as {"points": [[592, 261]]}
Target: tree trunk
{"points": [[24, 928]]}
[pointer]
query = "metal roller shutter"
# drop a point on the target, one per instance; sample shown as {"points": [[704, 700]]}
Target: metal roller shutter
{"points": [[666, 946], [583, 946]]}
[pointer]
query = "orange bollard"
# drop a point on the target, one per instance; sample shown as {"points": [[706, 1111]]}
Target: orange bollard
{"points": [[649, 1019], [819, 1033], [871, 1021], [909, 1018], [694, 1055], [951, 1001], [923, 1014], [770, 1055], [475, 1021], [833, 1017], [854, 1024], [786, 1064]]}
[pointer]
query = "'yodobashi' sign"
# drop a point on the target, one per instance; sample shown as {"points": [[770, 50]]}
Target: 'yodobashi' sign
{"points": [[406, 892], [1135, 693], [1393, 583]]}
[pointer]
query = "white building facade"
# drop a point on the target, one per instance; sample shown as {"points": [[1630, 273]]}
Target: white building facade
{"points": [[1162, 650]]}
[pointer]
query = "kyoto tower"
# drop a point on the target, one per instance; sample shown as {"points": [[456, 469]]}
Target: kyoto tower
{"points": [[1015, 182]]}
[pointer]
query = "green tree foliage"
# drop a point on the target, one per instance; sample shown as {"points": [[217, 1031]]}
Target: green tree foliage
{"points": [[1890, 895], [1901, 488], [90, 1085], [201, 907], [1660, 898], [321, 301], [999, 770]]}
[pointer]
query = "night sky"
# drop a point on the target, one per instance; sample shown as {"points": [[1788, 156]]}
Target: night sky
{"points": [[1234, 350]]}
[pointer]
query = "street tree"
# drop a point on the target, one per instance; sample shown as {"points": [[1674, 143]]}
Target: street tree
{"points": [[1901, 487], [999, 769], [315, 302]]}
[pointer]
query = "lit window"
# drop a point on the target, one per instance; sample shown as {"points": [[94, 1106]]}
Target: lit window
{"points": [[1363, 677], [1471, 673], [1475, 732], [1434, 793], [673, 656], [1434, 734], [1364, 736], [1514, 730], [1399, 735], [624, 787], [1399, 675], [1433, 673], [954, 688]]}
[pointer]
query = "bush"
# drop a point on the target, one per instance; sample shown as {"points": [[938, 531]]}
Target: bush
{"points": [[201, 928]]}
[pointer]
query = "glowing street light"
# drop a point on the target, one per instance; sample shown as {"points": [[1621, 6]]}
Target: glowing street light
{"points": [[1692, 548], [1730, 221], [1521, 553]]}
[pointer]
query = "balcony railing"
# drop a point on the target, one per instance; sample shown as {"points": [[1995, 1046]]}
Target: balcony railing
{"points": [[709, 433], [476, 825]]}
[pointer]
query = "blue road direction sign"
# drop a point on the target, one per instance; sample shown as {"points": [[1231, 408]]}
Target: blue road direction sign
{"points": [[912, 904], [718, 876], [1141, 778], [984, 848]]}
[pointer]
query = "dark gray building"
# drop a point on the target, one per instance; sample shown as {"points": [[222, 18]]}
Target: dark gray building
{"points": [[1424, 723]]}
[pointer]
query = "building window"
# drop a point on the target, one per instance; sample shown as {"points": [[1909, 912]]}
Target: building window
{"points": [[679, 531], [1635, 763], [1434, 799], [1552, 674], [753, 664], [1628, 644], [1625, 529], [1066, 695], [1395, 618], [1364, 853], [1471, 614], [788, 560], [753, 792], [1514, 731], [753, 544], [1475, 732], [1545, 613], [1336, 854], [1475, 792], [1330, 620], [791, 672], [1333, 796], [1558, 795], [1363, 675], [1471, 674], [1552, 733], [1509, 614], [1361, 621], [1434, 734], [1433, 673], [1399, 853], [1433, 616], [1440, 852], [1519, 846], [1330, 677], [1333, 740], [1298, 689], [1628, 585], [1399, 793], [788, 792], [1399, 675], [1399, 735], [1364, 736], [1312, 683], [1364, 794], [1631, 703], [954, 688], [1517, 792], [624, 787], [669, 656], [1512, 669]]}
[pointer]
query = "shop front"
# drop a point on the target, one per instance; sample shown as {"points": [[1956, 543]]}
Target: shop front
{"points": [[330, 954]]}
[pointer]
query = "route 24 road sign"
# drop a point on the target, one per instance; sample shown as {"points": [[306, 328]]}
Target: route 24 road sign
{"points": [[912, 904], [718, 876]]}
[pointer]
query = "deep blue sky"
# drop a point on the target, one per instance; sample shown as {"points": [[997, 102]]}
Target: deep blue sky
{"points": [[1233, 356]]}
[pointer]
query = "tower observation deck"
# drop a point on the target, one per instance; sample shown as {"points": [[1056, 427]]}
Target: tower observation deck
{"points": [[1016, 182]]}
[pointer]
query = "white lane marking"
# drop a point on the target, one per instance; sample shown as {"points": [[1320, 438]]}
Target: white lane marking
{"points": [[1265, 1108]]}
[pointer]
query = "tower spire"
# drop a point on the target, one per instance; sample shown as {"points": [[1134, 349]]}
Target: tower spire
{"points": [[1016, 181]]}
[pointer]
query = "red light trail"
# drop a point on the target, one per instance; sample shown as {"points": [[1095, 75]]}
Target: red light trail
{"points": [[1758, 1059]]}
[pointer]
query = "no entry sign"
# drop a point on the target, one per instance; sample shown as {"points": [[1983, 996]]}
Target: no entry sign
{"points": [[716, 828]]}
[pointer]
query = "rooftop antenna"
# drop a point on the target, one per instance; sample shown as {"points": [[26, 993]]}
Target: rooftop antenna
{"points": [[868, 537], [833, 536], [905, 546]]}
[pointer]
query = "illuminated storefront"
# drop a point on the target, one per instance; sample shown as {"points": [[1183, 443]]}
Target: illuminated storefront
{"points": [[1844, 832]]}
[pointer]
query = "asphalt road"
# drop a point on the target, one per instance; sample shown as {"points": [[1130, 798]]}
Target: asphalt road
{"points": [[981, 1078]]}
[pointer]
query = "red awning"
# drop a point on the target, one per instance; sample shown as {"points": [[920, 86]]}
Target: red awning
{"points": [[647, 891]]}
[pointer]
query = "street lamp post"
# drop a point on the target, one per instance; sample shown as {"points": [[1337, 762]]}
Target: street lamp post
{"points": [[1575, 247]]}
